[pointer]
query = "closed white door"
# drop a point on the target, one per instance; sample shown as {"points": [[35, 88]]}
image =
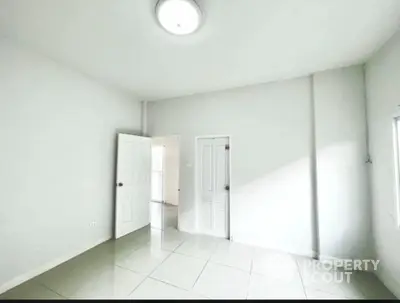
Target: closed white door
{"points": [[213, 186], [133, 184]]}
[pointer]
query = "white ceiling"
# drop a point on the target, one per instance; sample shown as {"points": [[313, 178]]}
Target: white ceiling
{"points": [[241, 42]]}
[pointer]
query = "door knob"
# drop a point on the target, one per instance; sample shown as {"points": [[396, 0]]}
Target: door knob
{"points": [[120, 184], [227, 187]]}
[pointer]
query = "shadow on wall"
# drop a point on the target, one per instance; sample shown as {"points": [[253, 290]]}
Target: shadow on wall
{"points": [[343, 204], [274, 211]]}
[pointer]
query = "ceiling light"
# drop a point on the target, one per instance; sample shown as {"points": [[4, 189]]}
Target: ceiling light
{"points": [[179, 17]]}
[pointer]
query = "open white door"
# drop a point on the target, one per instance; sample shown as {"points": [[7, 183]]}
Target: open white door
{"points": [[133, 184]]}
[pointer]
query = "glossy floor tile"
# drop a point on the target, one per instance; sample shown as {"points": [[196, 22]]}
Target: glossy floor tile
{"points": [[153, 289], [319, 294], [144, 260], [222, 282], [316, 278], [233, 254], [169, 240], [266, 287], [279, 265], [179, 270], [67, 278], [366, 284], [31, 290], [199, 246], [114, 283], [167, 264]]}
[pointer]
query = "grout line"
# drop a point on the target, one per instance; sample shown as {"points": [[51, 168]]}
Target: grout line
{"points": [[145, 276], [230, 266], [179, 245], [248, 287], [178, 287], [190, 256], [48, 288], [167, 283], [250, 274], [301, 277], [149, 274], [200, 274], [158, 266], [131, 270], [137, 286], [213, 262]]}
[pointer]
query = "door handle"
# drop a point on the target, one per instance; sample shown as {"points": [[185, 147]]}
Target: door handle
{"points": [[120, 184], [227, 187]]}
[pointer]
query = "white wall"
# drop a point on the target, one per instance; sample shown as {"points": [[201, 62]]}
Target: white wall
{"points": [[57, 132], [270, 186], [383, 88], [270, 125], [343, 203]]}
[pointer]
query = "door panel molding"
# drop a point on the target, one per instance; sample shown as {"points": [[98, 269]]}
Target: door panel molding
{"points": [[217, 208], [133, 184]]}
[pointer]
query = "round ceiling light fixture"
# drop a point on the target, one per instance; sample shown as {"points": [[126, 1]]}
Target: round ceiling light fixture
{"points": [[179, 17]]}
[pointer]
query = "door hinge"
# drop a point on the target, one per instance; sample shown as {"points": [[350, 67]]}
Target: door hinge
{"points": [[227, 147]]}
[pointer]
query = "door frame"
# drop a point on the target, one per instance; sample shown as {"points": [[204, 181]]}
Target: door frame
{"points": [[162, 175], [196, 190]]}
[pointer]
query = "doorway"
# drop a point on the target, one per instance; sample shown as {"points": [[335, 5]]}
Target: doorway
{"points": [[165, 182], [213, 185]]}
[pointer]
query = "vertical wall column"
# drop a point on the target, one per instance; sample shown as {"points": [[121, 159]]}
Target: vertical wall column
{"points": [[344, 213], [144, 118], [314, 179], [368, 161]]}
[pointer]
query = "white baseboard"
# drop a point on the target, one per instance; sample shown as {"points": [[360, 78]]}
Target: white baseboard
{"points": [[38, 271]]}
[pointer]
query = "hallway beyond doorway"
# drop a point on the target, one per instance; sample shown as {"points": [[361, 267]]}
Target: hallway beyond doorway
{"points": [[163, 215]]}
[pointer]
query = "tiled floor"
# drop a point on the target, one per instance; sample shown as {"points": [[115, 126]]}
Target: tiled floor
{"points": [[169, 264]]}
